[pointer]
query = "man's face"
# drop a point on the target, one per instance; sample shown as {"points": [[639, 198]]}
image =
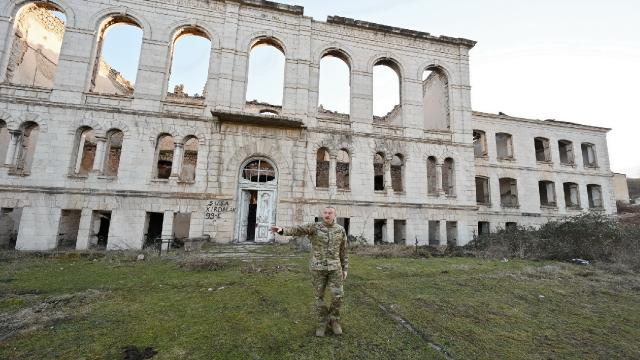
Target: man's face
{"points": [[329, 215]]}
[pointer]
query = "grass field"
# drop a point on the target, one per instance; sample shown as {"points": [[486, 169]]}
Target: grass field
{"points": [[91, 307]]}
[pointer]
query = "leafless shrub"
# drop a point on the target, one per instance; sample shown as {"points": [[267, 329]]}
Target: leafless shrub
{"points": [[590, 236]]}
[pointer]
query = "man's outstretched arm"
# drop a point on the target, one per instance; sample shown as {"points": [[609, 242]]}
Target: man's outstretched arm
{"points": [[308, 229]]}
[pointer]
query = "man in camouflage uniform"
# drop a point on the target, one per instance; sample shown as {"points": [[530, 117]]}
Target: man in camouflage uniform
{"points": [[329, 265]]}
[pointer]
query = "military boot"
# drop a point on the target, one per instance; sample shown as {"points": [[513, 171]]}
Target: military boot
{"points": [[335, 327], [321, 329]]}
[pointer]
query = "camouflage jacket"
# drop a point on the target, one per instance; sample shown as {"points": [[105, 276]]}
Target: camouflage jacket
{"points": [[328, 245]]}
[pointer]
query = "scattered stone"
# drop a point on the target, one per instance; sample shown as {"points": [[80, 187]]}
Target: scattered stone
{"points": [[140, 257]]}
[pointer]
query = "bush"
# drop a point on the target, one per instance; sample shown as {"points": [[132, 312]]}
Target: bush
{"points": [[590, 236]]}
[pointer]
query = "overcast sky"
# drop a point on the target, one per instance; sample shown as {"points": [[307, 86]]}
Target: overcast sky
{"points": [[570, 60]]}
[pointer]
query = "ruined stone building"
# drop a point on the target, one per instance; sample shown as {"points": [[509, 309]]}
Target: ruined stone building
{"points": [[93, 159]]}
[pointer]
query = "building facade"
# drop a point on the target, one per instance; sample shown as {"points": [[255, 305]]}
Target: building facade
{"points": [[92, 159]]}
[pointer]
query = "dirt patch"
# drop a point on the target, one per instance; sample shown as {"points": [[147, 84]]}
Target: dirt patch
{"points": [[51, 310]]}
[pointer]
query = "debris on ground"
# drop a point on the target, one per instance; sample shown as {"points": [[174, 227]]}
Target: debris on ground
{"points": [[268, 270], [49, 311], [580, 262]]}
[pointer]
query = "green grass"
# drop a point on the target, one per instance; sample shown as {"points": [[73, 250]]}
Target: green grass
{"points": [[473, 308]]}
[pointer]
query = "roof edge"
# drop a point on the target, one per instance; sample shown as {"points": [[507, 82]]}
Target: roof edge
{"points": [[339, 20], [293, 9], [545, 122]]}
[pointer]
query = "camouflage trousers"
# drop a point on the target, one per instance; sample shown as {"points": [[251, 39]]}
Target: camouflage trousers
{"points": [[323, 279]]}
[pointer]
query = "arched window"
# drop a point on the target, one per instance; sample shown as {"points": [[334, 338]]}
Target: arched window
{"points": [[589, 159], [397, 173], [26, 146], [113, 151], [547, 190], [432, 176], [189, 159], [504, 146], [259, 171], [164, 156], [38, 34], [86, 144], [448, 177], [483, 191], [594, 193], [265, 83], [571, 195], [565, 147], [435, 91], [335, 83], [378, 172], [116, 68], [5, 140], [479, 143], [343, 169], [543, 151], [386, 92], [189, 72], [508, 192], [323, 161]]}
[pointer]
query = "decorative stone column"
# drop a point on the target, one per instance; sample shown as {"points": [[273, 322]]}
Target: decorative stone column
{"points": [[333, 183], [439, 188], [176, 165], [99, 160], [388, 186], [13, 147]]}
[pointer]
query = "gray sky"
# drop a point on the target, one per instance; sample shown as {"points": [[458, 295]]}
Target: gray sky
{"points": [[570, 60]]}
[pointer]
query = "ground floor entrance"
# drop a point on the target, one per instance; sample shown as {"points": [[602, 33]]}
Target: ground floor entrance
{"points": [[256, 202]]}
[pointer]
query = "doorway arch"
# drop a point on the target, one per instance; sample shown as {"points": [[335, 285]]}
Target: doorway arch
{"points": [[257, 195]]}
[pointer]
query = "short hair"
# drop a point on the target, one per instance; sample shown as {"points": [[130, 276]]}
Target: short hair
{"points": [[331, 207]]}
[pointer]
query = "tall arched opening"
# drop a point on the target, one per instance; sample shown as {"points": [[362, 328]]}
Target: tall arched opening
{"points": [[257, 194]]}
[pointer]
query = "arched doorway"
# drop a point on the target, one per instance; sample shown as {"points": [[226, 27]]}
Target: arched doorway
{"points": [[257, 193]]}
